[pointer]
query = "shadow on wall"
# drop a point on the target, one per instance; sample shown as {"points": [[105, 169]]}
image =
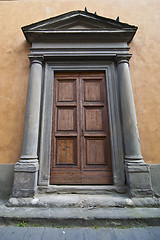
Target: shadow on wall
{"points": [[6, 180], [155, 178]]}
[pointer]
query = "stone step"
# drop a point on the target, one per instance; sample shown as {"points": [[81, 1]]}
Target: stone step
{"points": [[75, 189], [80, 216], [52, 200]]}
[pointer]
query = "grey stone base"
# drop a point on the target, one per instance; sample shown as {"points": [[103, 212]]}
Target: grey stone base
{"points": [[25, 179], [24, 193], [138, 180]]}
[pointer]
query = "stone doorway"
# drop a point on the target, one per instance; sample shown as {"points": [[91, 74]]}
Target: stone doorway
{"points": [[80, 41]]}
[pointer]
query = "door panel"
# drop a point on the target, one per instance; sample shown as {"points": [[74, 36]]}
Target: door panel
{"points": [[66, 119], [92, 90], [80, 139], [95, 151], [93, 119], [66, 90], [66, 151]]}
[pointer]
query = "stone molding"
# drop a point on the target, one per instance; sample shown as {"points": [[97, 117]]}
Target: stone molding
{"points": [[114, 117], [79, 25]]}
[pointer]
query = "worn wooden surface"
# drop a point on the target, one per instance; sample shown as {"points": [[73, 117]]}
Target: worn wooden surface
{"points": [[80, 138]]}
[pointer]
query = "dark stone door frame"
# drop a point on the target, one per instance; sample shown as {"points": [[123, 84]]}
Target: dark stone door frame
{"points": [[114, 117]]}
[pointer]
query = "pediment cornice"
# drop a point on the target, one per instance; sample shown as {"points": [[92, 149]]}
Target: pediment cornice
{"points": [[79, 25]]}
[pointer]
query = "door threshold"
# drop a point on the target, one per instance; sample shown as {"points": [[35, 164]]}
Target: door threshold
{"points": [[77, 189]]}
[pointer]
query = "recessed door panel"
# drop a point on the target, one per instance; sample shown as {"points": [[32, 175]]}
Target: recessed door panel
{"points": [[66, 118], [95, 150], [80, 151], [66, 151], [93, 119], [66, 90], [92, 90]]}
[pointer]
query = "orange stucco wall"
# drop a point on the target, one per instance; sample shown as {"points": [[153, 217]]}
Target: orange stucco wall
{"points": [[14, 65]]}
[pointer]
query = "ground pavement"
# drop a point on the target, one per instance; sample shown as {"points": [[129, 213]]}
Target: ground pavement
{"points": [[85, 233], [85, 218]]}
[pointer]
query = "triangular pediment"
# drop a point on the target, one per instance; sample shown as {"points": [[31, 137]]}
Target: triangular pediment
{"points": [[76, 21]]}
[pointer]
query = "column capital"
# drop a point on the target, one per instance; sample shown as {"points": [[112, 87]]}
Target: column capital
{"points": [[123, 58], [36, 59]]}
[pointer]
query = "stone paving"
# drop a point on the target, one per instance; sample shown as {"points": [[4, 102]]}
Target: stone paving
{"points": [[47, 233]]}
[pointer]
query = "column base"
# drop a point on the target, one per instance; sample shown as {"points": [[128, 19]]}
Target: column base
{"points": [[138, 180], [25, 179]]}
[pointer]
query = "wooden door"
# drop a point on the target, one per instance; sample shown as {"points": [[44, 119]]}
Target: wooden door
{"points": [[80, 140]]}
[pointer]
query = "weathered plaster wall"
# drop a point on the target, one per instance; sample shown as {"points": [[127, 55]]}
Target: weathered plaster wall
{"points": [[14, 65]]}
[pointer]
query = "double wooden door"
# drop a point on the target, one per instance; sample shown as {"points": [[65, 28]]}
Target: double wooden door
{"points": [[80, 132]]}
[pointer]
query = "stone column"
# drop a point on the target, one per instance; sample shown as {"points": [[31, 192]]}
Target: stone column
{"points": [[26, 170], [137, 171]]}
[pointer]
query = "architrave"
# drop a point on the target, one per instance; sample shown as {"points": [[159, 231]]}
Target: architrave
{"points": [[114, 116]]}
